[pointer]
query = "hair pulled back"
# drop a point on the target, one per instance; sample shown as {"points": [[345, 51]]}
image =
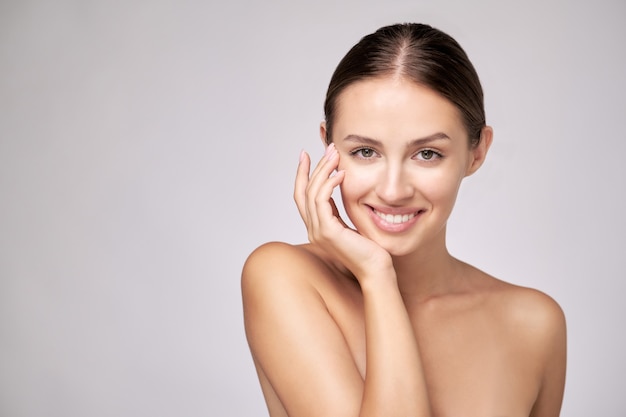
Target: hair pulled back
{"points": [[420, 53]]}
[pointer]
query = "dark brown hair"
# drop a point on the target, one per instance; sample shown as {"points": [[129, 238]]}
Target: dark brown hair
{"points": [[420, 53]]}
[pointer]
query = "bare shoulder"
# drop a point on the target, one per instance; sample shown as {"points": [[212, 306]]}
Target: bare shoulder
{"points": [[270, 252], [290, 330], [530, 330], [515, 305], [535, 325], [273, 262], [528, 317], [529, 309], [281, 280]]}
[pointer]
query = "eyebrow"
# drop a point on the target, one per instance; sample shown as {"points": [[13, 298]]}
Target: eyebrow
{"points": [[415, 142]]}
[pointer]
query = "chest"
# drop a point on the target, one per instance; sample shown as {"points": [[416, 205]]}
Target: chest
{"points": [[474, 365]]}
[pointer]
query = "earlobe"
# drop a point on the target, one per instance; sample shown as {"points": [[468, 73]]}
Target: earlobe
{"points": [[479, 152], [323, 133]]}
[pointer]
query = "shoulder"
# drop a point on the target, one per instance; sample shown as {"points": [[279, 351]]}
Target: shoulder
{"points": [[531, 309], [277, 272], [290, 329], [268, 253], [530, 319], [518, 306], [278, 261], [535, 326], [534, 323]]}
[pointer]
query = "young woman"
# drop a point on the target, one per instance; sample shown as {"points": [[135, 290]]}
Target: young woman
{"points": [[382, 321]]}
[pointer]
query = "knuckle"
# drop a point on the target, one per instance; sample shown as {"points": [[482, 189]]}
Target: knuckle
{"points": [[319, 199]]}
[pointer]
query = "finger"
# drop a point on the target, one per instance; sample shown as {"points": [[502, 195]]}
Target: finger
{"points": [[302, 181], [319, 189], [324, 203], [328, 220], [322, 171], [302, 188], [328, 154], [336, 213]]}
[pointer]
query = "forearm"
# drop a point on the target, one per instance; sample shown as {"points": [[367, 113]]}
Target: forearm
{"points": [[394, 382]]}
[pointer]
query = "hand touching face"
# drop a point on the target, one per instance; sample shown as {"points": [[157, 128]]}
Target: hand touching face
{"points": [[404, 151]]}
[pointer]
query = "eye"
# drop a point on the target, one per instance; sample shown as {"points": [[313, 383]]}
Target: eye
{"points": [[428, 155], [363, 153]]}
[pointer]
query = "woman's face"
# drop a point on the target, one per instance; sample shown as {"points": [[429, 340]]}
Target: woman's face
{"points": [[405, 152]]}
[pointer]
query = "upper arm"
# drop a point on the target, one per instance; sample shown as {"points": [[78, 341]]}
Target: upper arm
{"points": [[293, 338], [551, 339]]}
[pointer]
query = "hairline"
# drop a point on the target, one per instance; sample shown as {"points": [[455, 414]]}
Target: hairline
{"points": [[395, 74]]}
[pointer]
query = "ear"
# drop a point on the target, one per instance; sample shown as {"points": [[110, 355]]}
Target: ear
{"points": [[323, 133], [479, 152]]}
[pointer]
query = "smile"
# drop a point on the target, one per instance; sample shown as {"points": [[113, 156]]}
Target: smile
{"points": [[395, 218]]}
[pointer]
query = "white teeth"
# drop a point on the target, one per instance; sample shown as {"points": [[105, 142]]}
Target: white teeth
{"points": [[395, 219]]}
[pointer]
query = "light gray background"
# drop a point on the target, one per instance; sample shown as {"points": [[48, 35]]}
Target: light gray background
{"points": [[146, 147]]}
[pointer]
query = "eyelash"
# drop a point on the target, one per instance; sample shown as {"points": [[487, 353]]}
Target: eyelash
{"points": [[358, 153], [435, 155]]}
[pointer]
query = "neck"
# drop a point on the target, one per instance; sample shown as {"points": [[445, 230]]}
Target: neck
{"points": [[429, 273]]}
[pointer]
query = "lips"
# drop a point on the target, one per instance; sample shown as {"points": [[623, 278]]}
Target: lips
{"points": [[395, 218]]}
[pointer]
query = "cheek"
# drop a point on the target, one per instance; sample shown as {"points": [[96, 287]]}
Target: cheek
{"points": [[356, 183], [440, 186], [352, 185]]}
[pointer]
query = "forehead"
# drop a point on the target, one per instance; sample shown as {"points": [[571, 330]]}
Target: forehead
{"points": [[394, 107]]}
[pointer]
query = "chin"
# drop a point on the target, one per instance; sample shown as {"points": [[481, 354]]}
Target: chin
{"points": [[399, 252], [408, 244], [397, 249]]}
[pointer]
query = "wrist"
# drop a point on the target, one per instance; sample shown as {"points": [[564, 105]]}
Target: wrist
{"points": [[378, 279]]}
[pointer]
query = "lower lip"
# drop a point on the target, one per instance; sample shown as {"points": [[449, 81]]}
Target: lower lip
{"points": [[393, 227]]}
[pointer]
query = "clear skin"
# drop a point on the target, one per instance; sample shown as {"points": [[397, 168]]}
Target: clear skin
{"points": [[382, 320]]}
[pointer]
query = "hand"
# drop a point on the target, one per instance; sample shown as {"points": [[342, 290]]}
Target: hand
{"points": [[325, 227]]}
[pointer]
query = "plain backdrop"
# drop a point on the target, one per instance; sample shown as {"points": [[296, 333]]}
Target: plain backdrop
{"points": [[147, 147]]}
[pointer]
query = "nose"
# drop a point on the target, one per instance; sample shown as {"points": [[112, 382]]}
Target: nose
{"points": [[394, 186]]}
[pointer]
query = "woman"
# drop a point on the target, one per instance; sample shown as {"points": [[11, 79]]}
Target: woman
{"points": [[382, 320]]}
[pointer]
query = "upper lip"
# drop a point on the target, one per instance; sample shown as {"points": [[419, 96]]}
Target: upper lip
{"points": [[395, 210]]}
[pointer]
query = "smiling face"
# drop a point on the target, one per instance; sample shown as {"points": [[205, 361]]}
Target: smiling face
{"points": [[405, 152]]}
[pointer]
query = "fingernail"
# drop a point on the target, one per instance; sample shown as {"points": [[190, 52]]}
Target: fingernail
{"points": [[301, 155]]}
